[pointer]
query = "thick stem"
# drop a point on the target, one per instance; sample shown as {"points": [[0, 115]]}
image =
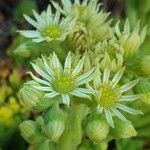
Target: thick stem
{"points": [[73, 134]]}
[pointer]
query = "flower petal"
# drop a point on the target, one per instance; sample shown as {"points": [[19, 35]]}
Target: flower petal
{"points": [[38, 40], [43, 88], [118, 114], [128, 86], [57, 17], [83, 90], [109, 117], [117, 77], [88, 76], [30, 33], [67, 67], [99, 109], [97, 79], [41, 72], [57, 7], [31, 21], [47, 67], [51, 95], [128, 109], [55, 60], [78, 67], [130, 97], [80, 94], [66, 99], [106, 74], [39, 19], [49, 17], [38, 79]]}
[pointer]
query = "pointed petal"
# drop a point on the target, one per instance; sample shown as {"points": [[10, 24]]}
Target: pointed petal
{"points": [[130, 97], [66, 99], [47, 67], [109, 117], [57, 7], [128, 109], [39, 19], [41, 72], [38, 40], [51, 95], [56, 62], [99, 109], [80, 94], [97, 79], [117, 77], [30, 33], [31, 21], [106, 74], [127, 26], [78, 67], [85, 78], [117, 29], [67, 67], [38, 79], [83, 90], [118, 114], [57, 17], [128, 86], [43, 88], [49, 17]]}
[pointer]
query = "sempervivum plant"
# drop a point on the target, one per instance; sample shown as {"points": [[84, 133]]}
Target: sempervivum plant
{"points": [[84, 92]]}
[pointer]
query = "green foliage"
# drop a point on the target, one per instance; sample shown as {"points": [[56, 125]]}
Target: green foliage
{"points": [[130, 144]]}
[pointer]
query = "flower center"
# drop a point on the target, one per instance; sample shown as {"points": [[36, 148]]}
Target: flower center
{"points": [[52, 31], [109, 95], [64, 84]]}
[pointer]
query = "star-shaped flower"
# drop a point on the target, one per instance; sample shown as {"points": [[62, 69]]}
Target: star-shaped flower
{"points": [[109, 95], [62, 81]]}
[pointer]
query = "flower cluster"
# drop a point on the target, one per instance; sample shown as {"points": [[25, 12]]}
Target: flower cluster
{"points": [[90, 90]]}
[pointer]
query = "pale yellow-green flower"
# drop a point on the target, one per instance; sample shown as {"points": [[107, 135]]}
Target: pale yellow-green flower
{"points": [[48, 26], [62, 81], [109, 96]]}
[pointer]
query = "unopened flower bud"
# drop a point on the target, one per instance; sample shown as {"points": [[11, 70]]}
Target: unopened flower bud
{"points": [[54, 124], [30, 132], [31, 97], [96, 128], [123, 129], [131, 45]]}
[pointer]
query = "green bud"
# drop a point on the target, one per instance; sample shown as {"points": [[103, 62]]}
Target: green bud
{"points": [[30, 132], [123, 129], [33, 98], [96, 128], [143, 88], [130, 41], [145, 65], [54, 124], [131, 45]]}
